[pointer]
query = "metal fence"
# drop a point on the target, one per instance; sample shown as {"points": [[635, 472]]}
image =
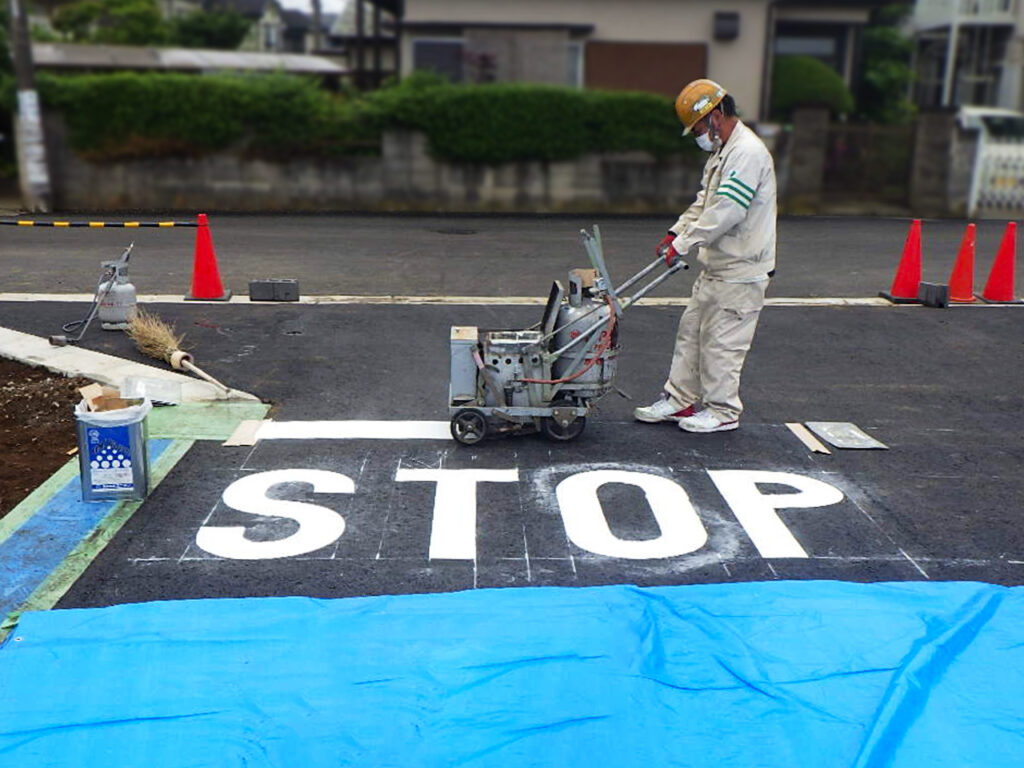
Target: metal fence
{"points": [[868, 163], [997, 187]]}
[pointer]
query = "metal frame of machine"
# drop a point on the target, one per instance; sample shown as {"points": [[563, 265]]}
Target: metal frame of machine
{"points": [[547, 377]]}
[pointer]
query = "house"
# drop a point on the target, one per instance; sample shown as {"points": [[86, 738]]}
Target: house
{"points": [[366, 31], [969, 52], [275, 28], [651, 45]]}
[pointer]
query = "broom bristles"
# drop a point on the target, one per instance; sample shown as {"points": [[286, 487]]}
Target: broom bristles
{"points": [[153, 336]]}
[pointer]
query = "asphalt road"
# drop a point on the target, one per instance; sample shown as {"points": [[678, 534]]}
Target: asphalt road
{"points": [[460, 255], [940, 387]]}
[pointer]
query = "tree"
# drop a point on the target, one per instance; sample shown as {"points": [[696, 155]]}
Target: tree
{"points": [[131, 22], [124, 22], [223, 30], [882, 96], [75, 20], [5, 46]]}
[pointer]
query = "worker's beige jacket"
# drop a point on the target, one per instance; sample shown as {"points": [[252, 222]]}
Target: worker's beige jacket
{"points": [[732, 221]]}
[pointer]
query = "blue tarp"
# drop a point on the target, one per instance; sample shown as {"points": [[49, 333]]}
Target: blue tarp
{"points": [[757, 674]]}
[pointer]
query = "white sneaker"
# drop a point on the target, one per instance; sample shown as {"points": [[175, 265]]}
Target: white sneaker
{"points": [[661, 410], [706, 421]]}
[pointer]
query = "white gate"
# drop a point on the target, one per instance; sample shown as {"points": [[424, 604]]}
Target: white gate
{"points": [[997, 186]]}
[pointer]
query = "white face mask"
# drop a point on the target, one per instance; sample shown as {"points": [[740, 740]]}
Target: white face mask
{"points": [[705, 142]]}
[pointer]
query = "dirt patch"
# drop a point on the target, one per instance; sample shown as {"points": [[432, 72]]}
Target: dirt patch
{"points": [[37, 428]]}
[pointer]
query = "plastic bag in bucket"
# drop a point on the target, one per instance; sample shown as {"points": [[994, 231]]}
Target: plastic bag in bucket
{"points": [[112, 455]]}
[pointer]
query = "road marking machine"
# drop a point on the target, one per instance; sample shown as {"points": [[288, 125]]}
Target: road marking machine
{"points": [[546, 377]]}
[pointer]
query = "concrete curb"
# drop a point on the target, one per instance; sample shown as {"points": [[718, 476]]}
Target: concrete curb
{"points": [[106, 369]]}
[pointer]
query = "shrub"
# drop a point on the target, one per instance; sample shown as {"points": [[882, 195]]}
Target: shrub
{"points": [[210, 29], [803, 81], [134, 114], [277, 116], [502, 122]]}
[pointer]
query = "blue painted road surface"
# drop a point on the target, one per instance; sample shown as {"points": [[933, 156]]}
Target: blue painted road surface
{"points": [[780, 674]]}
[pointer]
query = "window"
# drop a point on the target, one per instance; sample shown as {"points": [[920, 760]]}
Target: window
{"points": [[443, 56], [819, 47], [270, 37], [826, 42], [575, 77]]}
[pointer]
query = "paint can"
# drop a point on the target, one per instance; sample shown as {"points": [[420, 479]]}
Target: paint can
{"points": [[113, 458]]}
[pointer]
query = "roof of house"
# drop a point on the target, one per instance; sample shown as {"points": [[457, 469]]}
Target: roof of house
{"points": [[248, 8], [78, 56], [296, 19]]}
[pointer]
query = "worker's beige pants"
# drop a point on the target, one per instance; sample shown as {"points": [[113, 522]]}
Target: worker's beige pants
{"points": [[714, 335]]}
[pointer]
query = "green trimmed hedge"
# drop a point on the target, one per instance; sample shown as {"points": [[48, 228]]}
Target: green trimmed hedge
{"points": [[143, 115], [803, 81], [126, 115], [504, 122]]}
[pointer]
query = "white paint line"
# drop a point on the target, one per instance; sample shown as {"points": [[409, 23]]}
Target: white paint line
{"points": [[533, 301], [914, 563], [354, 430], [726, 567], [526, 555], [948, 562]]}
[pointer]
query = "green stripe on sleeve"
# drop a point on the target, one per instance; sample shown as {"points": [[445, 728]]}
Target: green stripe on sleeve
{"points": [[737, 191], [726, 193], [736, 180]]}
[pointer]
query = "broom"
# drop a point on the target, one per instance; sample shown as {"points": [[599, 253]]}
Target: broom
{"points": [[155, 338]]}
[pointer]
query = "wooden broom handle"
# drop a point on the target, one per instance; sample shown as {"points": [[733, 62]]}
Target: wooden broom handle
{"points": [[183, 360]]}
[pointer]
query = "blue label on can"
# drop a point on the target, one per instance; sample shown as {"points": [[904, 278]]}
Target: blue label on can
{"points": [[110, 458]]}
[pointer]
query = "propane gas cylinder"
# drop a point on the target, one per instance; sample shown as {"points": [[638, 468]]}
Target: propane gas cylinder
{"points": [[117, 305], [578, 312]]}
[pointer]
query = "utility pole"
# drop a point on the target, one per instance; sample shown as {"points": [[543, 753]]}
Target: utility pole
{"points": [[318, 26], [31, 146]]}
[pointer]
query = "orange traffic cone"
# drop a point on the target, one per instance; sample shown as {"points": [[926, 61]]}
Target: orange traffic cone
{"points": [[961, 281], [999, 288], [206, 285], [908, 276]]}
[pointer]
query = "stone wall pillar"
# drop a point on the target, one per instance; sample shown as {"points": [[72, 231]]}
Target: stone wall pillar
{"points": [[932, 167], [806, 159]]}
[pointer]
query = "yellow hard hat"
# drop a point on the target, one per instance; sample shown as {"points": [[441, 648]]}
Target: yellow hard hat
{"points": [[696, 101]]}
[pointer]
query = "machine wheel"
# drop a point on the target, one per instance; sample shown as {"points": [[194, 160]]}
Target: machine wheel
{"points": [[553, 429], [469, 426]]}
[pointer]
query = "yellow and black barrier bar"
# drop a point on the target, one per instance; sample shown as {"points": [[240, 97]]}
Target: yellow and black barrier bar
{"points": [[98, 224]]}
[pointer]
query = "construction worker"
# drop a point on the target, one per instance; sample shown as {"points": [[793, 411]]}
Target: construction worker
{"points": [[731, 226]]}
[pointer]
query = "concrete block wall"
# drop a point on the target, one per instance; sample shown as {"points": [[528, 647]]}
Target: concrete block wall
{"points": [[404, 177]]}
